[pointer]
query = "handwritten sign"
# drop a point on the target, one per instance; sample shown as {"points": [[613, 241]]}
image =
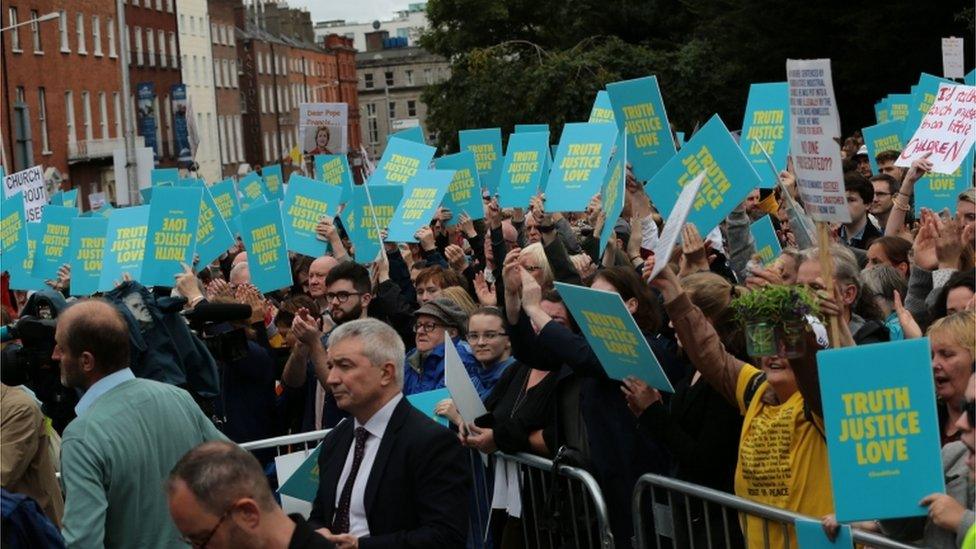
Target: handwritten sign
{"points": [[333, 169], [306, 202], [580, 166], [125, 246], [767, 126], [85, 253], [30, 184], [421, 199], [486, 144], [403, 160], [882, 431], [814, 124], [952, 58], [523, 170], [464, 194], [174, 216], [264, 240], [52, 248], [638, 107], [947, 131]]}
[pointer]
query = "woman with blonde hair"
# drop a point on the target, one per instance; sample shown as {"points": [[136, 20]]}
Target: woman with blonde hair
{"points": [[461, 298], [953, 342]]}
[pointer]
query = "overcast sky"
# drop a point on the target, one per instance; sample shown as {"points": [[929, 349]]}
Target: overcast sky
{"points": [[360, 11]]}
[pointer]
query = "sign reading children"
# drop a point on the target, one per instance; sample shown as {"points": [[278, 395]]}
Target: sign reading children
{"points": [[882, 430], [174, 216], [418, 205], [947, 131]]}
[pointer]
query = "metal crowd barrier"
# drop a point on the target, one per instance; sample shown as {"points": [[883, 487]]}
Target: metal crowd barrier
{"points": [[287, 444], [683, 516], [562, 507]]}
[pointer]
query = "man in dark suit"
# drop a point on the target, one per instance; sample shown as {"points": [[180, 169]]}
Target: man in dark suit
{"points": [[389, 476]]}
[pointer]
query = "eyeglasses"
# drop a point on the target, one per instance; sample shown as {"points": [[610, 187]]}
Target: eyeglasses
{"points": [[475, 337], [426, 327], [206, 540], [342, 297]]}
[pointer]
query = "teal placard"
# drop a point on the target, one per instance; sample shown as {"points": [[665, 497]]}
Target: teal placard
{"points": [[13, 226], [638, 107], [810, 535], [52, 245], [899, 103], [402, 162], [225, 198], [612, 193], [970, 79], [174, 216], [358, 217], [303, 484], [56, 199], [464, 193], [613, 335], [883, 137], [767, 120], [729, 178], [264, 240], [273, 180], [427, 401], [882, 430], [881, 111], [579, 166], [213, 233], [333, 169], [125, 246], [531, 128], [252, 190], [70, 198], [923, 95], [415, 134], [21, 261], [602, 111], [524, 169], [486, 144], [306, 202], [420, 201], [146, 195], [164, 177], [85, 254], [767, 243], [937, 191]]}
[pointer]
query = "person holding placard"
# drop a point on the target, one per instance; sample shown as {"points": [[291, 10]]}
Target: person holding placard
{"points": [[860, 232]]}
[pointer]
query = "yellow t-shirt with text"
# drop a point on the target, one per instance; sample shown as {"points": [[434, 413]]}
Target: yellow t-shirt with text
{"points": [[782, 461]]}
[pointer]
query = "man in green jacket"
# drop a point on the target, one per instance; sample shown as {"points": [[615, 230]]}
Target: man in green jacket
{"points": [[118, 452]]}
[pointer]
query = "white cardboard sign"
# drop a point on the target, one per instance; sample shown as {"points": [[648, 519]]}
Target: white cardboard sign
{"points": [[947, 131]]}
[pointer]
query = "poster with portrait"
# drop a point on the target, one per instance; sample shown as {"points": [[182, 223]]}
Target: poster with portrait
{"points": [[323, 127]]}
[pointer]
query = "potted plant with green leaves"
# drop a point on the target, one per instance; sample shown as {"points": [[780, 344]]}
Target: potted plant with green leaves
{"points": [[774, 317]]}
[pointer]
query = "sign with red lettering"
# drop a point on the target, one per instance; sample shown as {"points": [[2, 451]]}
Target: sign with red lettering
{"points": [[947, 131]]}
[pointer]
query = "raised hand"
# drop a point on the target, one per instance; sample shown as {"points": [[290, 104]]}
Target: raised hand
{"points": [[456, 258], [486, 294]]}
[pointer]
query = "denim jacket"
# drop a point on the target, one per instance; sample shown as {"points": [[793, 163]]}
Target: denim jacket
{"points": [[425, 372]]}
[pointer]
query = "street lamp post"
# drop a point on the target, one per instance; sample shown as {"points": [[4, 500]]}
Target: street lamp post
{"points": [[129, 110], [41, 19]]}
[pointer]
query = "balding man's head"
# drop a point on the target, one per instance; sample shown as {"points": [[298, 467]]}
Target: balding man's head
{"points": [[92, 341], [240, 274], [316, 275], [239, 258]]}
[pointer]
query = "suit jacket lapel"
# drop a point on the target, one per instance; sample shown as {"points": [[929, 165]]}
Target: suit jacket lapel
{"points": [[331, 462], [400, 414]]}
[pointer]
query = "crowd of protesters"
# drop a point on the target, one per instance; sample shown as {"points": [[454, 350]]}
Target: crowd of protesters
{"points": [[734, 422]]}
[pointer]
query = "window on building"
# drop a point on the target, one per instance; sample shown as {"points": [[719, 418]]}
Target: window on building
{"points": [[15, 32], [96, 36], [389, 79], [151, 47], [168, 144], [214, 37], [169, 6], [103, 115], [372, 124], [36, 32], [110, 31], [428, 76], [163, 59], [222, 137], [159, 4], [228, 68], [238, 140], [137, 34], [80, 23], [86, 115], [408, 74], [266, 151], [172, 48], [63, 31], [42, 120], [218, 74], [260, 62], [368, 80], [411, 108], [117, 103], [233, 72], [392, 106]]}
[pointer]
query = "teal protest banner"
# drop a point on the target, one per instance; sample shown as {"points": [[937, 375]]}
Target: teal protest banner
{"points": [[810, 535], [767, 121], [464, 193], [52, 248], [638, 107], [225, 198], [361, 220], [923, 95], [333, 169], [524, 169], [70, 198], [579, 166], [306, 202], [125, 246], [420, 201], [729, 178], [174, 216], [213, 233], [402, 162], [532, 128], [612, 193], [970, 79], [164, 177], [415, 134], [881, 111], [882, 430], [427, 401], [613, 335], [264, 240], [273, 180], [303, 484], [883, 137], [146, 195], [602, 111], [22, 260], [85, 254], [899, 104], [252, 190], [13, 226], [486, 144], [767, 243], [937, 191]]}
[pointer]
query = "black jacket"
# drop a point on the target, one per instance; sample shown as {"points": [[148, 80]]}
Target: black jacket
{"points": [[417, 494]]}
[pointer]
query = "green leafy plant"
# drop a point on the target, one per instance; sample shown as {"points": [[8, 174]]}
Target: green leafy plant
{"points": [[775, 304]]}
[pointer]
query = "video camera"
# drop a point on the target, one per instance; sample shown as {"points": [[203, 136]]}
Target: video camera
{"points": [[210, 321]]}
